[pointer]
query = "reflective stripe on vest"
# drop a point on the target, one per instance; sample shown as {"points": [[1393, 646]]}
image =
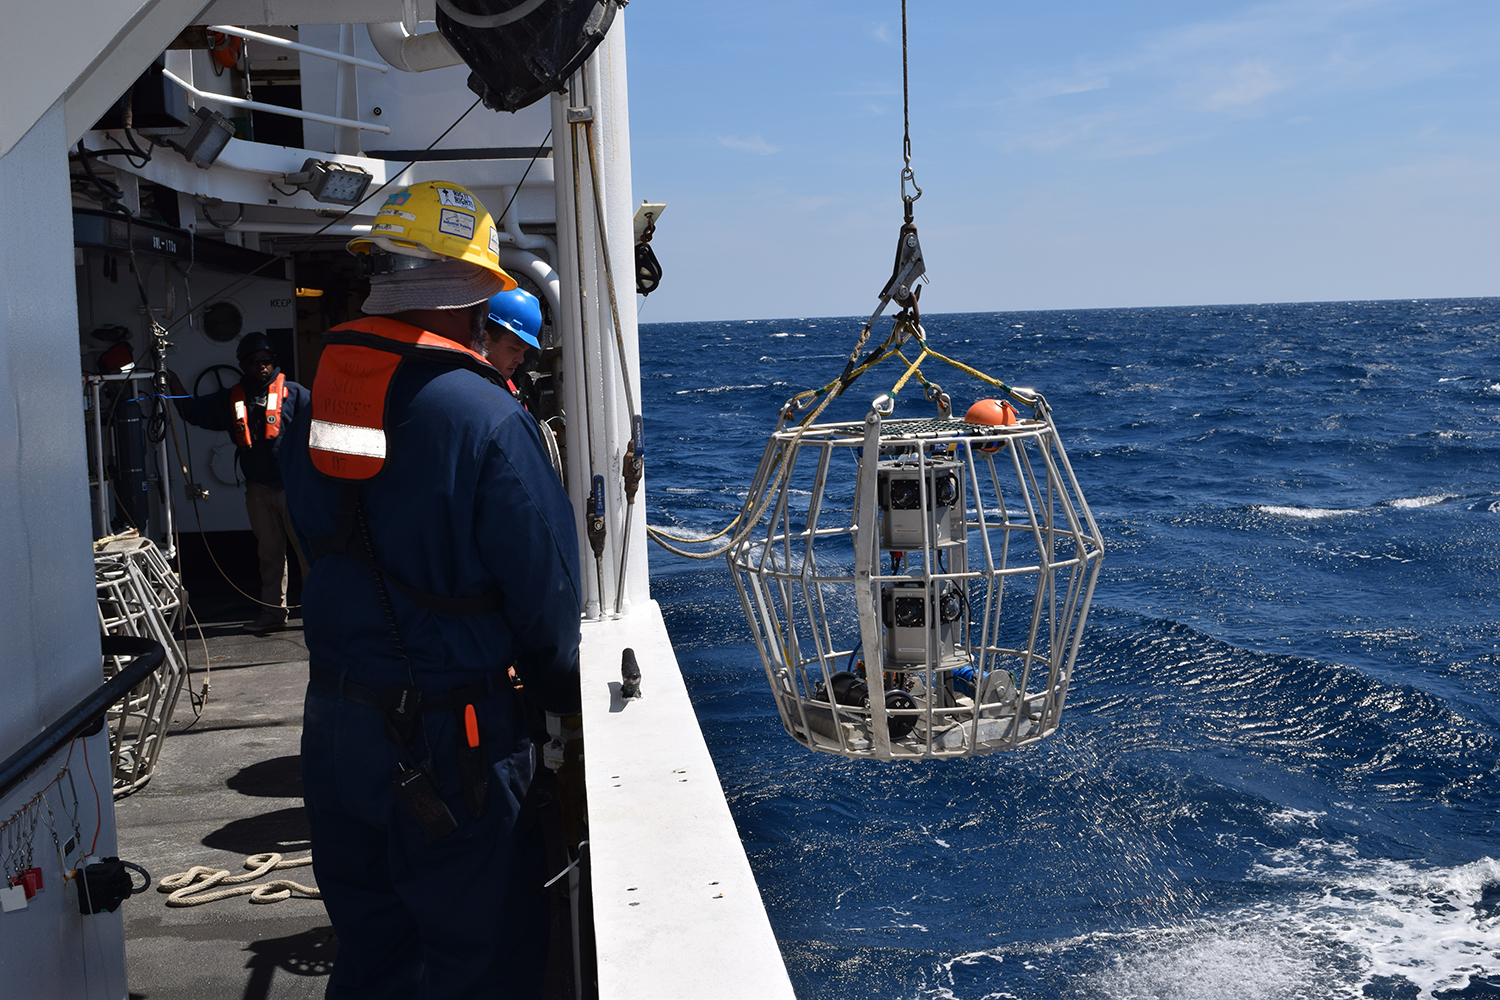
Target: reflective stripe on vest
{"points": [[240, 431], [346, 434]]}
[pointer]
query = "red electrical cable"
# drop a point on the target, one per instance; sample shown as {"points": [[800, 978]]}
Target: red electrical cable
{"points": [[98, 809]]}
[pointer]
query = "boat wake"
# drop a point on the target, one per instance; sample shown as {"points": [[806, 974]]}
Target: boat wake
{"points": [[1355, 928]]}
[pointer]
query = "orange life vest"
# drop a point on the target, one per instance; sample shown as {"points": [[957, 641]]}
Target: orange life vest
{"points": [[346, 436], [275, 393], [346, 433]]}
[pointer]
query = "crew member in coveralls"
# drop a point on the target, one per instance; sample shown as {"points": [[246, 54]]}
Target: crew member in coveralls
{"points": [[255, 412], [443, 552]]}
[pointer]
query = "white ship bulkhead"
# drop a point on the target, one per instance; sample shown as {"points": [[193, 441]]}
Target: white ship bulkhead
{"points": [[676, 909]]}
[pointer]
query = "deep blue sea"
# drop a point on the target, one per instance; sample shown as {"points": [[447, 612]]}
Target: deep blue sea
{"points": [[1276, 776]]}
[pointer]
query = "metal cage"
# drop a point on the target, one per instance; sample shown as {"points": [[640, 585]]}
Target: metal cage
{"points": [[950, 563], [139, 595]]}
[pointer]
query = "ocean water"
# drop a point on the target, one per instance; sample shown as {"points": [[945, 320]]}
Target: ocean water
{"points": [[1277, 773]]}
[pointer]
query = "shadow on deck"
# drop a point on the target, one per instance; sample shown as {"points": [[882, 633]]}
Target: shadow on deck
{"points": [[226, 786]]}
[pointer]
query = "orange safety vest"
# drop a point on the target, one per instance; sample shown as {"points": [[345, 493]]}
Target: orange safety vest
{"points": [[346, 437], [346, 434], [275, 393]]}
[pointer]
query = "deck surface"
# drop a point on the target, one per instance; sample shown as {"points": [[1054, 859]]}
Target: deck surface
{"points": [[226, 787]]}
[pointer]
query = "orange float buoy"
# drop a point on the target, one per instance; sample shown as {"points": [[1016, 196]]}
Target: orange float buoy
{"points": [[993, 412]]}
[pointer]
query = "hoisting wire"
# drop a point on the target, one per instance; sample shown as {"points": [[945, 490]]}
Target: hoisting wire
{"points": [[906, 174], [748, 519], [902, 288]]}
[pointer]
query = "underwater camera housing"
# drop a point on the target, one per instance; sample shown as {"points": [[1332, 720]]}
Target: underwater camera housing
{"points": [[948, 564], [911, 498]]}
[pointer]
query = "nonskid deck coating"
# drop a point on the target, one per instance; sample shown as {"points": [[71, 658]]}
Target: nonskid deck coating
{"points": [[227, 787]]}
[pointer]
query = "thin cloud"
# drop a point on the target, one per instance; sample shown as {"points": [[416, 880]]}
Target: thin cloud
{"points": [[1181, 84], [1042, 90], [754, 144], [1249, 83]]}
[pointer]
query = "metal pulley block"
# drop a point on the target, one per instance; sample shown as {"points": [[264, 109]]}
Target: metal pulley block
{"points": [[908, 268]]}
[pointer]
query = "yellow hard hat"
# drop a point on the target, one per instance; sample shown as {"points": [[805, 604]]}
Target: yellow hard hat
{"points": [[435, 219]]}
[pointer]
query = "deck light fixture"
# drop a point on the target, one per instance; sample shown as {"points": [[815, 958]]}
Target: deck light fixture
{"points": [[334, 183], [209, 137]]}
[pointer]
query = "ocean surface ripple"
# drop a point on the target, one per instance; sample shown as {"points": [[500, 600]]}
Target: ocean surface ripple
{"points": [[1276, 777]]}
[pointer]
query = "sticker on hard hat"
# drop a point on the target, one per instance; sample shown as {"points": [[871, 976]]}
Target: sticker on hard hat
{"points": [[494, 242], [387, 228], [454, 198], [398, 214], [399, 198], [456, 223]]}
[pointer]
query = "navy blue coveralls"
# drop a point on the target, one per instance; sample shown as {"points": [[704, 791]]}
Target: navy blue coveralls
{"points": [[466, 504]]}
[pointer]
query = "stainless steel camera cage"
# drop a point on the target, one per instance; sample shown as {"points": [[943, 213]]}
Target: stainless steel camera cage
{"points": [[788, 574]]}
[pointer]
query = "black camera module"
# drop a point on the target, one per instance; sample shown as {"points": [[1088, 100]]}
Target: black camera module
{"points": [[911, 612], [945, 490], [951, 604], [906, 494]]}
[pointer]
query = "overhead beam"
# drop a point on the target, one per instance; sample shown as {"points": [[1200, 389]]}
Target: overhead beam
{"points": [[286, 12]]}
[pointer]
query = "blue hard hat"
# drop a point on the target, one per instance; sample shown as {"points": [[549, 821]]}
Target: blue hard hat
{"points": [[519, 312]]}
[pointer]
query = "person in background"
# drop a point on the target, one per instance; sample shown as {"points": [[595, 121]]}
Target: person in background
{"points": [[255, 413], [443, 551], [512, 334], [512, 329]]}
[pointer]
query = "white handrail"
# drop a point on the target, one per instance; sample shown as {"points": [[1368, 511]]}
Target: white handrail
{"points": [[240, 102], [286, 43]]}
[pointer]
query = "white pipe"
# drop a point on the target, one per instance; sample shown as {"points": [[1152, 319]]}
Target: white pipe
{"points": [[254, 226], [512, 227], [539, 271], [311, 50], [412, 53], [240, 102]]}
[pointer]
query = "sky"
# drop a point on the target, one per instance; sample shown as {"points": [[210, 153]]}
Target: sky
{"points": [[1070, 154]]}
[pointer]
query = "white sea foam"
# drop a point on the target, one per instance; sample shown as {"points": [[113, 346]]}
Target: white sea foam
{"points": [[1348, 922], [679, 489], [719, 388], [690, 534], [1426, 501], [1305, 513], [1293, 817]]}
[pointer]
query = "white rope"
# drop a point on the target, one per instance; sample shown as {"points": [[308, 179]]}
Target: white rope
{"points": [[192, 887]]}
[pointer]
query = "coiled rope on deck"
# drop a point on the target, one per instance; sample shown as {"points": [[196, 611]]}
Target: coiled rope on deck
{"points": [[195, 886]]}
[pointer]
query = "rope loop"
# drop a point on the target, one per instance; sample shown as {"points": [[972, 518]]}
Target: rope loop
{"points": [[193, 887]]}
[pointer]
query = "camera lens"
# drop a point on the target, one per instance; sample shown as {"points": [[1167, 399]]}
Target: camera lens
{"points": [[911, 612], [906, 494], [951, 604], [945, 490]]}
